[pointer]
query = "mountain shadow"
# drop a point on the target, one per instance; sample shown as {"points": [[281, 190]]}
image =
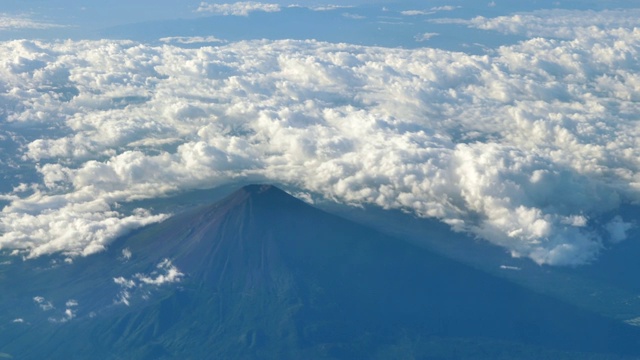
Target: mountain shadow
{"points": [[263, 275]]}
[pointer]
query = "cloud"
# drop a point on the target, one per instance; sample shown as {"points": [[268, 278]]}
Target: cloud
{"points": [[67, 315], [559, 23], [353, 16], [445, 8], [124, 296], [166, 273], [528, 146], [10, 22], [124, 282], [43, 303], [431, 11], [507, 267], [326, 7], [191, 39], [126, 254], [425, 36], [416, 12], [169, 274], [241, 8], [617, 229], [304, 196], [86, 223]]}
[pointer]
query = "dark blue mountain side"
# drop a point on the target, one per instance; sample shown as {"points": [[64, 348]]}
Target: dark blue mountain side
{"points": [[263, 275]]}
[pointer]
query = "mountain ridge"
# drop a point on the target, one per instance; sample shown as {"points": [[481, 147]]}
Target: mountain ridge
{"points": [[265, 275]]}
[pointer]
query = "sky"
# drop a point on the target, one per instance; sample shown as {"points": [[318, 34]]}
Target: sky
{"points": [[515, 123]]}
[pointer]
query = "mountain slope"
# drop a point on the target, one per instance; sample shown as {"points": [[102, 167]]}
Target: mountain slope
{"points": [[261, 274]]}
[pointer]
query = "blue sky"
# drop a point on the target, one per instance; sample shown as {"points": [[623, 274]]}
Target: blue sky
{"points": [[390, 24], [362, 23]]}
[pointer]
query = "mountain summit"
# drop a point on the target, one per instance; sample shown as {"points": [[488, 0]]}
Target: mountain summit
{"points": [[263, 275]]}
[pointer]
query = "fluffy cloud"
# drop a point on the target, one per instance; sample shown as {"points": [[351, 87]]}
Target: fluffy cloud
{"points": [[21, 22], [526, 146], [565, 24], [126, 254], [425, 36], [241, 8], [167, 273], [43, 304], [68, 314]]}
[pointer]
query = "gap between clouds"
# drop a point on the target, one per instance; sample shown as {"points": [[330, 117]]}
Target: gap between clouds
{"points": [[525, 147]]}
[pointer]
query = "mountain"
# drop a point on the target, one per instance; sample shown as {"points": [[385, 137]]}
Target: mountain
{"points": [[263, 275]]}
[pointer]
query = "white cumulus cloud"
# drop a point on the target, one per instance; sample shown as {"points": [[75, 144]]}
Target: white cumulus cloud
{"points": [[166, 273], [560, 23], [526, 146], [43, 303]]}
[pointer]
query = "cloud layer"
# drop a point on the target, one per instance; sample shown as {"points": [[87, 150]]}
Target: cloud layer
{"points": [[556, 23], [21, 22], [241, 8], [525, 147]]}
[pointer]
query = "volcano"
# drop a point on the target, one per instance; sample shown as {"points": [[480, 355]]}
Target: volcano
{"points": [[263, 275]]}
